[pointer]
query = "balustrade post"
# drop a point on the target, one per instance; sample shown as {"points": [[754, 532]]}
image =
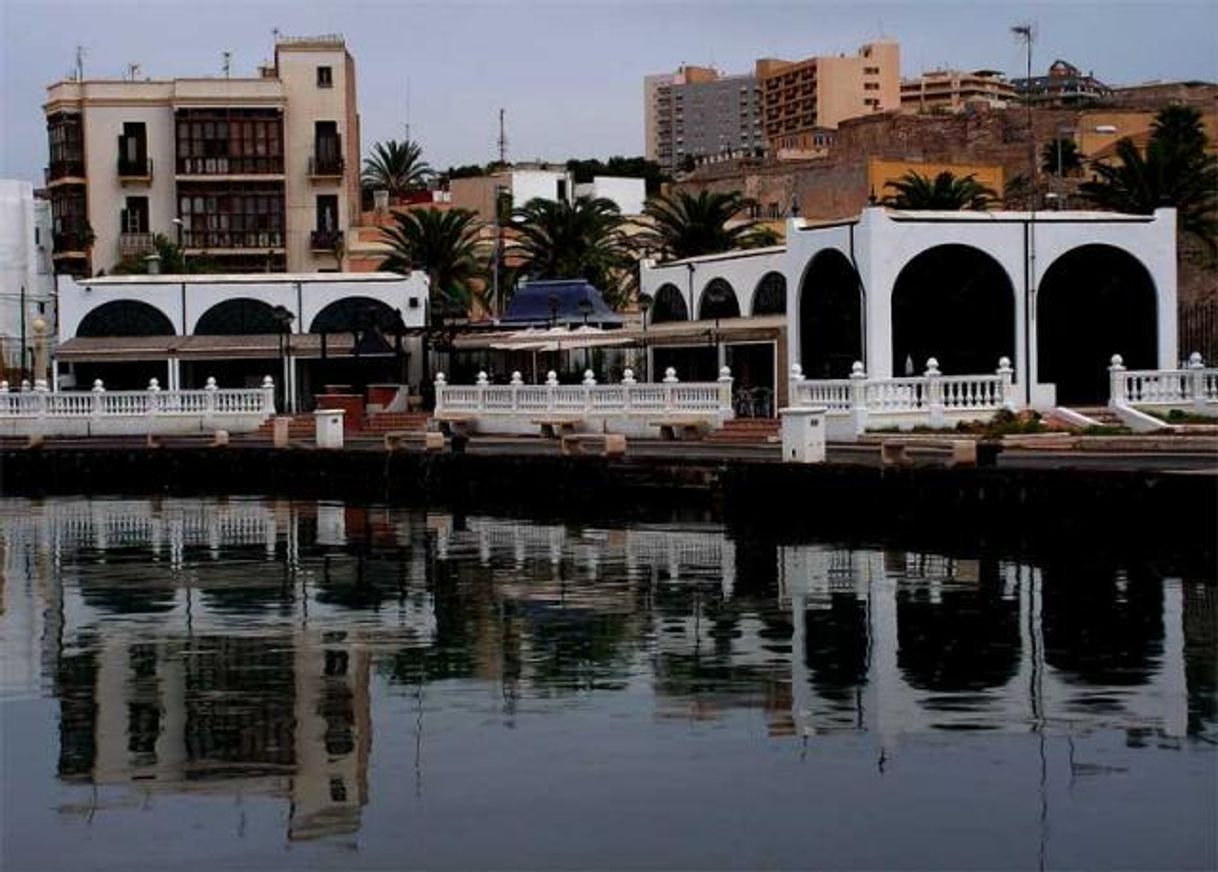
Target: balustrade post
{"points": [[551, 385], [858, 398], [154, 396], [1006, 377], [481, 383], [1196, 372], [98, 389], [725, 391], [797, 373], [628, 383], [439, 385], [589, 382], [1116, 382], [209, 397], [40, 393], [670, 379], [517, 381], [934, 392], [268, 395]]}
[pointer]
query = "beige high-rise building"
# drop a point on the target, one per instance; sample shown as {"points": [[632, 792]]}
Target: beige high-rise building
{"points": [[254, 174], [802, 99]]}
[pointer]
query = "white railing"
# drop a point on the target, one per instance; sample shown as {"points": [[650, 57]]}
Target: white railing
{"points": [[1191, 388], [931, 399], [520, 405], [1195, 384], [36, 410]]}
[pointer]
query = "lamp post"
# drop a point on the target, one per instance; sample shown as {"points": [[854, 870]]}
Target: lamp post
{"points": [[283, 318], [645, 302]]}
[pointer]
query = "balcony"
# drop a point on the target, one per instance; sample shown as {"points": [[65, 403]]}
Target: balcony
{"points": [[64, 171], [326, 166], [213, 240], [135, 243], [137, 171], [261, 165], [71, 241], [326, 240]]}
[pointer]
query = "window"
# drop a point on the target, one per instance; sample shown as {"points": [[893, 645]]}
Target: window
{"points": [[133, 149], [243, 215], [325, 77], [134, 218], [327, 212], [229, 141], [871, 71]]}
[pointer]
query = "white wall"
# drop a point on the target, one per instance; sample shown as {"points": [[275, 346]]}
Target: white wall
{"points": [[529, 184], [628, 194], [742, 270], [24, 263]]}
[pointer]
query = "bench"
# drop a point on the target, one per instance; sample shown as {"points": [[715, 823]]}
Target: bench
{"points": [[672, 429], [429, 441], [893, 454], [454, 424], [609, 444], [960, 452], [553, 428]]}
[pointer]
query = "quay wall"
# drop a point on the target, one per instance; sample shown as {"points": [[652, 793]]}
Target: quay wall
{"points": [[1165, 517]]}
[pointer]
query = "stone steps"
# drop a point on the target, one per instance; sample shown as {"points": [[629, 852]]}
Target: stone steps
{"points": [[745, 431]]}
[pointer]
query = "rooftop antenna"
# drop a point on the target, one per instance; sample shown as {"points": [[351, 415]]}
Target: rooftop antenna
{"points": [[408, 110], [133, 72], [503, 142], [80, 63], [227, 64]]}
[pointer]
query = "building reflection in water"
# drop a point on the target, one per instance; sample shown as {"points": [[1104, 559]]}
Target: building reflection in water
{"points": [[237, 646]]}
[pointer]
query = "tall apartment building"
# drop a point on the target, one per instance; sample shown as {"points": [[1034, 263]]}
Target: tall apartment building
{"points": [[802, 99], [954, 90], [696, 112], [1064, 85], [255, 173]]}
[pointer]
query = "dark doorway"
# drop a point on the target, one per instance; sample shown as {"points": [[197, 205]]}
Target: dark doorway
{"points": [[238, 317], [1094, 302], [954, 303], [770, 297], [125, 318], [830, 317], [752, 369], [692, 363]]}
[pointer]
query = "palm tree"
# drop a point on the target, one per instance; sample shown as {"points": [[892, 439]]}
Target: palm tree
{"points": [[1061, 157], [584, 239], [915, 191], [687, 226], [442, 243], [396, 167]]}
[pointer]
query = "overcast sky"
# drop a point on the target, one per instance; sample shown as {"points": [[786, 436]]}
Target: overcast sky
{"points": [[568, 73]]}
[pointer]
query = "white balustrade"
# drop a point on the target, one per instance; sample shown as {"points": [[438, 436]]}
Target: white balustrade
{"points": [[135, 412], [628, 399], [1193, 386]]}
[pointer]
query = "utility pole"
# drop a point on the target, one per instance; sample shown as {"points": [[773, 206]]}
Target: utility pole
{"points": [[226, 65], [1025, 33], [80, 63], [503, 142]]}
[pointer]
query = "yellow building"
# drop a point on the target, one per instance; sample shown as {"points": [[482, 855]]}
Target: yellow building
{"points": [[256, 173], [800, 99], [880, 172]]}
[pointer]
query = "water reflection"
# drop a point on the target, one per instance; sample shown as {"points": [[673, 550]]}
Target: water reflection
{"points": [[240, 647]]}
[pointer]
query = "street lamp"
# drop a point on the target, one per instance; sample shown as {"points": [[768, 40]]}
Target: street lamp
{"points": [[283, 320], [585, 309], [645, 302]]}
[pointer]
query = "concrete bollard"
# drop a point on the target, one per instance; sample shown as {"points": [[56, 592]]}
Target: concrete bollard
{"points": [[280, 431], [220, 439], [328, 424], [803, 434]]}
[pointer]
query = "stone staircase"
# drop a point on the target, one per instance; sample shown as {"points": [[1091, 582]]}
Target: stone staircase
{"points": [[1099, 414], [301, 429], [746, 431], [383, 422]]}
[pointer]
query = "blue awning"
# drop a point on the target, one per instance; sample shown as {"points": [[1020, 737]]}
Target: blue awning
{"points": [[558, 301]]}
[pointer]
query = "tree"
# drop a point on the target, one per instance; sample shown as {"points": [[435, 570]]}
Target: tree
{"points": [[686, 225], [396, 167], [444, 244], [915, 191], [580, 239], [632, 167], [1175, 171], [1061, 157]]}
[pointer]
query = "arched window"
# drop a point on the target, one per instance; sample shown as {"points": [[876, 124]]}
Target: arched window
{"points": [[668, 305], [239, 317], [770, 298], [355, 313], [125, 318], [830, 316], [718, 301]]}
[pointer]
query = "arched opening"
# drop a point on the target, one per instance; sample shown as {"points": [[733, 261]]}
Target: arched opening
{"points": [[668, 305], [770, 297], [239, 317], [125, 318], [956, 304], [830, 316], [352, 314], [718, 301], [1095, 301]]}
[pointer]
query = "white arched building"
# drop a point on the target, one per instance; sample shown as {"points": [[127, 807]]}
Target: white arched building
{"points": [[305, 329], [1057, 292]]}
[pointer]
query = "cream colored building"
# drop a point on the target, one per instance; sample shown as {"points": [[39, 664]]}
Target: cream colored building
{"points": [[802, 99], [253, 173], [955, 90]]}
